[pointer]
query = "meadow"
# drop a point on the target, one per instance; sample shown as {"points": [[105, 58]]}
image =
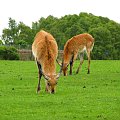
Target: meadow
{"points": [[94, 96]]}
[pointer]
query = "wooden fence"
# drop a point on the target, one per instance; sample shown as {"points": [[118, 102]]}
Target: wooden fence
{"points": [[27, 54]]}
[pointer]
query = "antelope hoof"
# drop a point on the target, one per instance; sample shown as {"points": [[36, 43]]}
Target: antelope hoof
{"points": [[88, 72], [38, 90], [77, 72], [70, 73]]}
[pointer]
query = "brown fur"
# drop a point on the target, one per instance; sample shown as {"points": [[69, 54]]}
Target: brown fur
{"points": [[45, 51], [76, 45]]}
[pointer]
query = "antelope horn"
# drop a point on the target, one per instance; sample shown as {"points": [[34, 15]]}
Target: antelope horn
{"points": [[45, 76], [60, 64], [58, 75]]}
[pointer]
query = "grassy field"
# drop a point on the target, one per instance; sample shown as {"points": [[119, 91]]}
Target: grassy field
{"points": [[78, 97]]}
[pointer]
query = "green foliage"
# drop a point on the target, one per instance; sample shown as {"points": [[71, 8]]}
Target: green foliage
{"points": [[22, 44], [78, 97], [103, 47], [1, 43], [25, 34], [16, 32], [105, 31], [8, 53]]}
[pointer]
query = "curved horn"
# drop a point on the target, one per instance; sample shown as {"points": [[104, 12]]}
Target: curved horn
{"points": [[67, 65], [58, 75], [60, 64], [45, 76]]}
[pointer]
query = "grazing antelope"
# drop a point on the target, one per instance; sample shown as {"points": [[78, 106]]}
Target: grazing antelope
{"points": [[74, 46], [45, 51]]}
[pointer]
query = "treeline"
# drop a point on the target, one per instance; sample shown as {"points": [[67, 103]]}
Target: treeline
{"points": [[105, 31]]}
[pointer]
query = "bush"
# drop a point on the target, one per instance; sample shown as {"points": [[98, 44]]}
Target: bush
{"points": [[8, 53], [22, 44], [1, 43]]}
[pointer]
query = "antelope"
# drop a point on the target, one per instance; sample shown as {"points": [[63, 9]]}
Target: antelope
{"points": [[45, 51], [77, 45]]}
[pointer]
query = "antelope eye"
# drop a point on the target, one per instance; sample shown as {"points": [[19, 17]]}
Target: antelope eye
{"points": [[48, 84]]}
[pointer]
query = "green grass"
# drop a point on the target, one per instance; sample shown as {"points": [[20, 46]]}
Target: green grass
{"points": [[78, 97]]}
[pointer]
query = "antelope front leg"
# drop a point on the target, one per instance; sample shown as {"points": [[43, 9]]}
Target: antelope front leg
{"points": [[88, 66], [81, 62], [71, 65], [46, 88], [88, 54], [40, 75], [38, 88]]}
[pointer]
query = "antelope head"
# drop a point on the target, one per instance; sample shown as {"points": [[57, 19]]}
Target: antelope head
{"points": [[51, 81], [64, 67]]}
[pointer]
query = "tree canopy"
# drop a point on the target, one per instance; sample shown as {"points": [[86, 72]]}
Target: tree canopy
{"points": [[105, 31]]}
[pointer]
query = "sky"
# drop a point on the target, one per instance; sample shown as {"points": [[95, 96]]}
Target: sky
{"points": [[28, 11]]}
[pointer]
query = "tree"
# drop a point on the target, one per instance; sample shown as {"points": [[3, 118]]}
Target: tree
{"points": [[105, 31], [17, 32], [1, 43], [103, 46], [73, 30], [10, 35], [25, 34]]}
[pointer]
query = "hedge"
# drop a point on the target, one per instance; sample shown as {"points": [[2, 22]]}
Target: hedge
{"points": [[8, 53]]}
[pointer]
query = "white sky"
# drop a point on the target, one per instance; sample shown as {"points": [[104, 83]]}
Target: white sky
{"points": [[29, 11]]}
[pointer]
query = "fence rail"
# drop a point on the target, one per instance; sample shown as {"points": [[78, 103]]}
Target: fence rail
{"points": [[27, 54]]}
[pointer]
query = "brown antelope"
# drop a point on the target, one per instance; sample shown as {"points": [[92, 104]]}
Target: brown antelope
{"points": [[74, 46], [45, 51]]}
